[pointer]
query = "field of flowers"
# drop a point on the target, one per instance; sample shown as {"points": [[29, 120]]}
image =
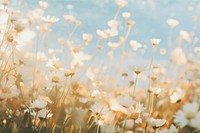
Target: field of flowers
{"points": [[89, 86]]}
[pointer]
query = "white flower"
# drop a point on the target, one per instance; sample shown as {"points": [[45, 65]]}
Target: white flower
{"points": [[69, 18], [178, 56], [43, 113], [185, 35], [78, 59], [135, 45], [43, 4], [86, 38], [113, 23], [188, 115], [172, 22], [126, 15], [95, 93], [101, 34], [156, 123], [113, 45], [121, 3], [172, 129], [177, 96], [155, 42], [50, 20], [156, 91], [38, 104]]}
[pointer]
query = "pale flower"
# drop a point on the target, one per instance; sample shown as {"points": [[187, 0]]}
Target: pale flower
{"points": [[86, 38], [79, 58], [113, 45], [178, 56], [188, 115], [43, 4], [50, 20], [177, 96], [126, 15], [163, 51], [185, 35], [155, 42], [101, 34], [38, 104], [156, 123], [172, 22], [69, 18], [121, 3], [43, 113], [113, 23], [135, 45], [172, 129]]}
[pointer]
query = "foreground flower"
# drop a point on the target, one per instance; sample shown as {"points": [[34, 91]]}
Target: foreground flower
{"points": [[172, 23], [45, 114], [50, 20], [38, 104], [155, 42], [177, 96], [156, 123], [188, 115], [172, 129]]}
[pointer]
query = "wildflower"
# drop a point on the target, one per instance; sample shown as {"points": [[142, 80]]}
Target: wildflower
{"points": [[43, 4], [5, 2], [126, 15], [86, 38], [49, 20], [178, 56], [69, 18], [155, 91], [43, 113], [162, 51], [113, 23], [101, 34], [185, 35], [130, 23], [155, 42], [177, 96], [113, 45], [172, 22], [156, 123], [38, 104], [172, 129], [188, 115], [121, 3], [135, 45]]}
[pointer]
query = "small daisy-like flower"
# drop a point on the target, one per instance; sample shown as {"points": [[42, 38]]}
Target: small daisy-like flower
{"points": [[163, 51], [188, 115], [155, 91], [121, 3], [87, 38], [43, 4], [50, 20], [156, 123], [69, 18], [177, 96], [113, 23], [172, 23], [38, 104], [155, 42], [172, 129], [113, 45], [135, 45], [101, 34], [43, 113], [126, 15]]}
